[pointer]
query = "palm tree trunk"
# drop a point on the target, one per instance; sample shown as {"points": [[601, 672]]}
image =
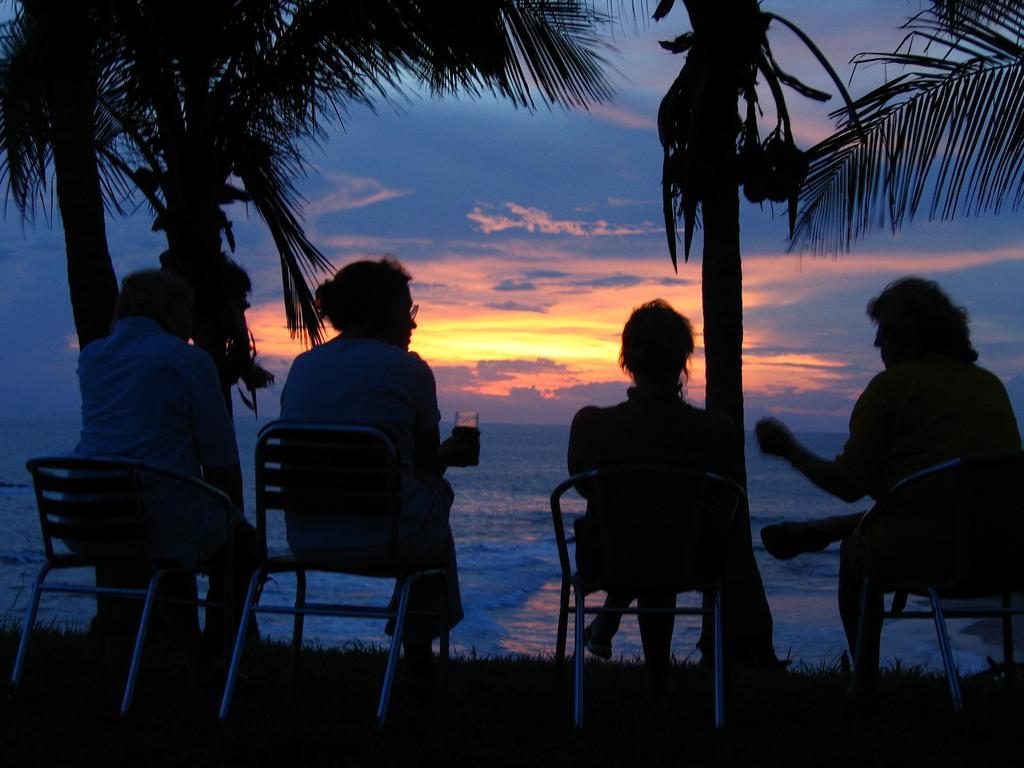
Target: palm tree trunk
{"points": [[748, 619], [71, 99], [221, 288], [722, 297]]}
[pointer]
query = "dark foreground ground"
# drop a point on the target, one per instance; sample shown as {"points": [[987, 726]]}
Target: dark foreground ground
{"points": [[497, 712]]}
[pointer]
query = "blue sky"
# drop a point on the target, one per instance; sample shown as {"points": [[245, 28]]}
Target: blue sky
{"points": [[530, 237]]}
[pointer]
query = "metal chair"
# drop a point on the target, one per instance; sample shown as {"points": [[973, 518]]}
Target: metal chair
{"points": [[98, 504], [990, 534], [656, 511], [330, 470]]}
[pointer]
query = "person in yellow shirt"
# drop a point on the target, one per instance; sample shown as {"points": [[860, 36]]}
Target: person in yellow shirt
{"points": [[930, 404]]}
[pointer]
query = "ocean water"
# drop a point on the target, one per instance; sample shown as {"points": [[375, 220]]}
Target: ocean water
{"points": [[508, 564]]}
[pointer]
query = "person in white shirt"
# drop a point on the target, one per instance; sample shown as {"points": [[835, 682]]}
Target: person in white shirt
{"points": [[367, 375], [148, 396]]}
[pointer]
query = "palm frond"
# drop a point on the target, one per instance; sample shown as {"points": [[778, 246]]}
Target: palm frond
{"points": [[554, 42], [24, 121], [512, 48], [953, 13], [267, 171], [289, 70], [946, 137]]}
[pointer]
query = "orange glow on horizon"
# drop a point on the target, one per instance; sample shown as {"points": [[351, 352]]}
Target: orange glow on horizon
{"points": [[561, 328]]}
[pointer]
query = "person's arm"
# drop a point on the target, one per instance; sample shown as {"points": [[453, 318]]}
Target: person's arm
{"points": [[580, 456], [432, 455], [775, 439], [460, 451]]}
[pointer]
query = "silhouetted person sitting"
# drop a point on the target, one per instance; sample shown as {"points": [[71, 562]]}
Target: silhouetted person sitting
{"points": [[931, 403], [654, 425], [148, 395], [367, 375]]}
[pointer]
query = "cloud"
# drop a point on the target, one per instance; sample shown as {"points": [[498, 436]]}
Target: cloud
{"points": [[623, 202], [512, 285], [677, 282], [530, 219], [543, 274], [429, 286], [515, 306], [603, 228], [608, 281], [540, 280], [501, 378], [371, 243], [502, 370], [624, 118], [531, 405], [535, 220], [350, 193], [602, 393]]}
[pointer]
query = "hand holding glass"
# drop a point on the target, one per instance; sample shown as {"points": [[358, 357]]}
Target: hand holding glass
{"points": [[466, 436]]}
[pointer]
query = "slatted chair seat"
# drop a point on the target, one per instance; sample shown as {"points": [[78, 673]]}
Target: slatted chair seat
{"points": [[92, 513], [330, 471], [650, 517], [990, 536]]}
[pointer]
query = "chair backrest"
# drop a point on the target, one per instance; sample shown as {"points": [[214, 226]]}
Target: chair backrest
{"points": [[90, 505], [662, 526], [992, 521], [989, 490], [327, 469]]}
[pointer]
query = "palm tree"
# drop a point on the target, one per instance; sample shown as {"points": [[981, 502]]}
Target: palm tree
{"points": [[47, 103], [198, 104], [945, 136], [206, 103], [709, 152]]}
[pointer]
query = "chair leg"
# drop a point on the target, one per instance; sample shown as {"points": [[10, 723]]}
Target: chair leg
{"points": [[391, 669], [1008, 644], [229, 594], [719, 664], [140, 639], [858, 652], [444, 640], [563, 630], [580, 652], [946, 649], [297, 629], [103, 629], [251, 598], [26, 627]]}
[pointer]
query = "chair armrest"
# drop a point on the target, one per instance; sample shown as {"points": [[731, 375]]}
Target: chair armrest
{"points": [[900, 486], [189, 480], [558, 520], [884, 508]]}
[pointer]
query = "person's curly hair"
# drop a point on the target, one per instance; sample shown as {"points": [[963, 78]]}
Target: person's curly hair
{"points": [[656, 341], [923, 321], [360, 292]]}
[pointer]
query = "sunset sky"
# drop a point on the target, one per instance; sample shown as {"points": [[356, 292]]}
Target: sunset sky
{"points": [[531, 236]]}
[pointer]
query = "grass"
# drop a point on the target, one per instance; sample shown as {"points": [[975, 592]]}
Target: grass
{"points": [[498, 711]]}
